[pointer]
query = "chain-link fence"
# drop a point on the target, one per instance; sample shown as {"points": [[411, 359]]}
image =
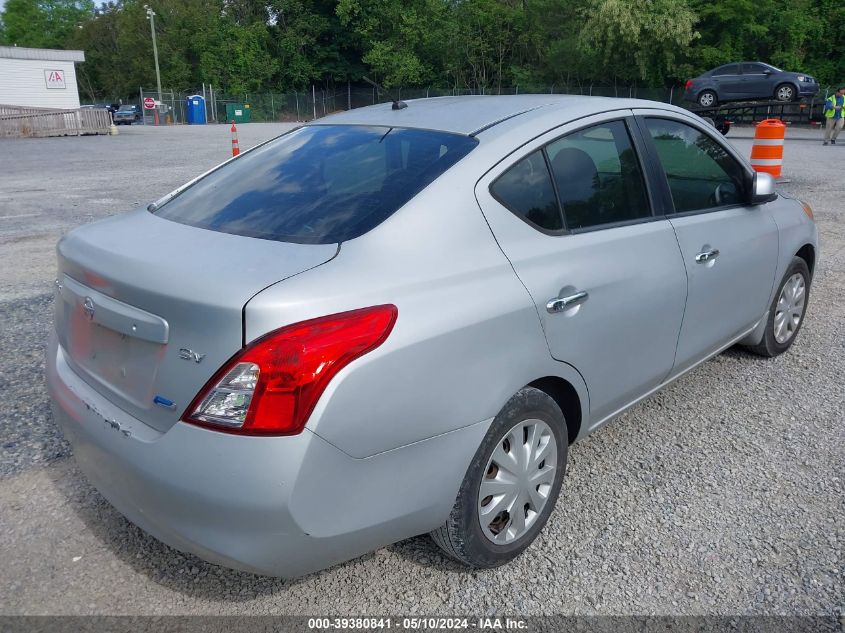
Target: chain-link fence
{"points": [[171, 107], [318, 102]]}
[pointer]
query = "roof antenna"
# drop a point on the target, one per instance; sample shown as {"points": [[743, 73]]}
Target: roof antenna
{"points": [[398, 104]]}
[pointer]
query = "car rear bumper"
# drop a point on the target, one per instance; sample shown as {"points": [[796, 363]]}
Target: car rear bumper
{"points": [[280, 506]]}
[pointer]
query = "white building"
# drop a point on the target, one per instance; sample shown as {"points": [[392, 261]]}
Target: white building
{"points": [[39, 77]]}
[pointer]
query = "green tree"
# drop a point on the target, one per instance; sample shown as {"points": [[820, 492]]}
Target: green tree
{"points": [[637, 41], [252, 46], [484, 41], [237, 57], [42, 23], [548, 51], [402, 39]]}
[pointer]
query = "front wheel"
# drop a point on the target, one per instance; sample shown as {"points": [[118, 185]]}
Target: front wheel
{"points": [[785, 92], [786, 314], [512, 484]]}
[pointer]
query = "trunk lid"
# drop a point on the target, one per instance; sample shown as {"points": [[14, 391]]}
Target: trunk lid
{"points": [[148, 309]]}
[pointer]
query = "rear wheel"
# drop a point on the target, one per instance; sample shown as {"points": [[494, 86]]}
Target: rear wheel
{"points": [[786, 314], [785, 92], [512, 484], [707, 98]]}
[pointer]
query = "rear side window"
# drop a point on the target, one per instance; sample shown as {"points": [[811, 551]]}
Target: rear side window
{"points": [[730, 69], [754, 69], [598, 177], [526, 189], [321, 184], [700, 172]]}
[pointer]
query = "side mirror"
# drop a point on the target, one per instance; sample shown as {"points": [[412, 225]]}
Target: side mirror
{"points": [[767, 72], [762, 188]]}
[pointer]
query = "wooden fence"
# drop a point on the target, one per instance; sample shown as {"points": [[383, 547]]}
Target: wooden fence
{"points": [[16, 121]]}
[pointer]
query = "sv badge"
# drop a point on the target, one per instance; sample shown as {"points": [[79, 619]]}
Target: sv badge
{"points": [[189, 354]]}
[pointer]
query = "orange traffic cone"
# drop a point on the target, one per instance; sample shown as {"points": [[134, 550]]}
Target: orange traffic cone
{"points": [[235, 149]]}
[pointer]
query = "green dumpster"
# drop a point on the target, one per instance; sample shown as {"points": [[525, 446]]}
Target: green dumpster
{"points": [[238, 112]]}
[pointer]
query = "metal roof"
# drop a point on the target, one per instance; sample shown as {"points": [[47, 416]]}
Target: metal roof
{"points": [[45, 54]]}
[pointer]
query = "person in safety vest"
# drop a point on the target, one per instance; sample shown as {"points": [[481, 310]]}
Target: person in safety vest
{"points": [[834, 107]]}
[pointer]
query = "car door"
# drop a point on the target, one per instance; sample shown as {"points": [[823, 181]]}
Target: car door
{"points": [[757, 81], [729, 247], [728, 80], [572, 212]]}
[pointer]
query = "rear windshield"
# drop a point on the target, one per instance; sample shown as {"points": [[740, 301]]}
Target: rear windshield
{"points": [[320, 184]]}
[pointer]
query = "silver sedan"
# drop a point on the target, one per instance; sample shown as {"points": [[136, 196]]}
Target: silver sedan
{"points": [[395, 321]]}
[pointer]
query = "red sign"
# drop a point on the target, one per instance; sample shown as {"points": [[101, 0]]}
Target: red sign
{"points": [[149, 103]]}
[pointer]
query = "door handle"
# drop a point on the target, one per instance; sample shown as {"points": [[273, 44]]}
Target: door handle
{"points": [[559, 304], [706, 256]]}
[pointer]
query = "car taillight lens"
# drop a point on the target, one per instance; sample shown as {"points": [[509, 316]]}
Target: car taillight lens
{"points": [[689, 84], [272, 385]]}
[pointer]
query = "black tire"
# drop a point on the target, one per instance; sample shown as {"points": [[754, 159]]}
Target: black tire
{"points": [[462, 536], [707, 98], [769, 345], [785, 92]]}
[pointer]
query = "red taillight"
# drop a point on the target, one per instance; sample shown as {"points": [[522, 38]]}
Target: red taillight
{"points": [[689, 84], [272, 385]]}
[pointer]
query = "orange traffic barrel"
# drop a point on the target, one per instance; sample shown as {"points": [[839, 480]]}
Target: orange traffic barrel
{"points": [[767, 151]]}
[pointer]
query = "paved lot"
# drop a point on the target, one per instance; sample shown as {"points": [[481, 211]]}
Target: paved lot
{"points": [[721, 495]]}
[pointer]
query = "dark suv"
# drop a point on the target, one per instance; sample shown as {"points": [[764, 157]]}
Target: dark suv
{"points": [[127, 114], [745, 81]]}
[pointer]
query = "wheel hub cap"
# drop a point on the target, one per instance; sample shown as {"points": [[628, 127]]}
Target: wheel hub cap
{"points": [[790, 308], [517, 481]]}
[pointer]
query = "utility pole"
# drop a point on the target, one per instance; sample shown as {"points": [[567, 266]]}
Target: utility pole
{"points": [[151, 16]]}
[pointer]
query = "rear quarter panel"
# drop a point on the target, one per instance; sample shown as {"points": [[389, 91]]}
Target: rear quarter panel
{"points": [[466, 339]]}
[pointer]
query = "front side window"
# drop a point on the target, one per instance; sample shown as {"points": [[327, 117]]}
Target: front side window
{"points": [[598, 177], [321, 184], [700, 172], [526, 189]]}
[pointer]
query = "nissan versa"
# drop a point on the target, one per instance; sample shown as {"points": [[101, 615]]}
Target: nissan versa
{"points": [[395, 320]]}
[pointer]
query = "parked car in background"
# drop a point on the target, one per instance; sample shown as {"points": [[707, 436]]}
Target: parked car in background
{"points": [[743, 81], [127, 114], [111, 107], [395, 321]]}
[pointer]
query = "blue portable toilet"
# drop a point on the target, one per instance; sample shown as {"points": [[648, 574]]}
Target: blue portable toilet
{"points": [[195, 110]]}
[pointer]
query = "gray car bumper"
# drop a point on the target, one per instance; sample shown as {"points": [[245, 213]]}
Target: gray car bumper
{"points": [[280, 506], [807, 89]]}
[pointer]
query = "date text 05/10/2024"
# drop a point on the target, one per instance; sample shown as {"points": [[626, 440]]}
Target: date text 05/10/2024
{"points": [[417, 623]]}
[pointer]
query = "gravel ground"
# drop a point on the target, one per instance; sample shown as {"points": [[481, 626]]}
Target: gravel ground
{"points": [[721, 495]]}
